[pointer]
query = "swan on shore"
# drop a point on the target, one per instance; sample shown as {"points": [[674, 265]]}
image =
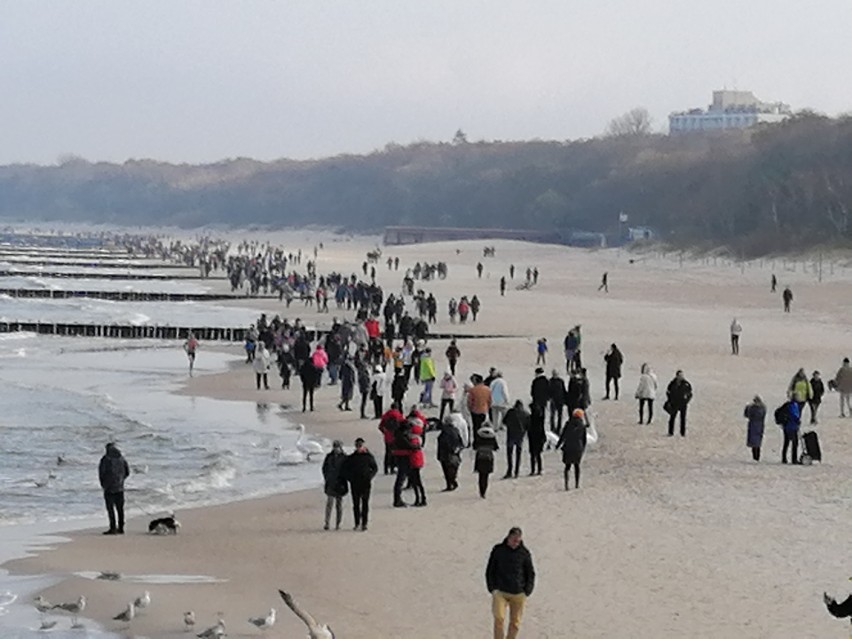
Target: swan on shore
{"points": [[308, 446], [315, 630]]}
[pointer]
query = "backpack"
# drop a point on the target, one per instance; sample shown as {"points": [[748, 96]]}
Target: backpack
{"points": [[781, 414]]}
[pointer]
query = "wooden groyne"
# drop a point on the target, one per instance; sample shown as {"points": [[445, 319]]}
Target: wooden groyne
{"points": [[203, 333], [131, 275], [126, 296], [95, 263]]}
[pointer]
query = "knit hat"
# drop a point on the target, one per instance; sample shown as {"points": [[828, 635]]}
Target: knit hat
{"points": [[578, 412]]}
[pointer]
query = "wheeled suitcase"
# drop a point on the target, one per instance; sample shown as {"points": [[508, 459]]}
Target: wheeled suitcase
{"points": [[810, 448]]}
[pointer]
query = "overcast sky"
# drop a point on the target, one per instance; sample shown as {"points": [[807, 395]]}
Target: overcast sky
{"points": [[204, 80]]}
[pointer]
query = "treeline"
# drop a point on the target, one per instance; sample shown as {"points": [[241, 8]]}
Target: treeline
{"points": [[776, 188]]}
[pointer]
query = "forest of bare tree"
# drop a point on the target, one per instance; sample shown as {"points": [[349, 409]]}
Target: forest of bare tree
{"points": [[777, 188]]}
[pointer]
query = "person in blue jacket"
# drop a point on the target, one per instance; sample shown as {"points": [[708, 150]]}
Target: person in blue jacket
{"points": [[791, 432]]}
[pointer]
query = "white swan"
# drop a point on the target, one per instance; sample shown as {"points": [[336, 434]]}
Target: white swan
{"points": [[289, 457], [308, 447]]}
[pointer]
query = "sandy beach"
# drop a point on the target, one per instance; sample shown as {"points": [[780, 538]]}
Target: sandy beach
{"points": [[666, 537]]}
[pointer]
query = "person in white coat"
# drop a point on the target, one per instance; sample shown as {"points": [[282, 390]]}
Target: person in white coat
{"points": [[261, 364], [378, 390], [500, 400], [646, 392]]}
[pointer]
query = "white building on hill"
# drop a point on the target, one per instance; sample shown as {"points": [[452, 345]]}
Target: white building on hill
{"points": [[730, 110]]}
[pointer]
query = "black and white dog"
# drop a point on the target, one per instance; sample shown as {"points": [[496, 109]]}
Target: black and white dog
{"points": [[164, 526]]}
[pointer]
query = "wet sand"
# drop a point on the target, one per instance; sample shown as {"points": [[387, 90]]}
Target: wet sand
{"points": [[666, 538]]}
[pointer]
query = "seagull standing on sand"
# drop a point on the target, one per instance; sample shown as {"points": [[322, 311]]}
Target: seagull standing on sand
{"points": [[315, 630], [127, 615], [264, 622], [142, 602], [214, 632], [188, 620], [47, 625], [42, 604], [74, 608]]}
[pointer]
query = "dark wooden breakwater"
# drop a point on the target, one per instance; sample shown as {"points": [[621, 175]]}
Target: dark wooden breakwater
{"points": [[203, 333], [93, 263], [130, 275], [126, 296]]}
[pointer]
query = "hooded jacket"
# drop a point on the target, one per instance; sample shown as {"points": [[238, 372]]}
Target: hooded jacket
{"points": [[510, 570], [113, 470], [332, 467], [360, 467]]}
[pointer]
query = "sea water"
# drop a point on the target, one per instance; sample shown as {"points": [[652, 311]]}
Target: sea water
{"points": [[63, 398]]}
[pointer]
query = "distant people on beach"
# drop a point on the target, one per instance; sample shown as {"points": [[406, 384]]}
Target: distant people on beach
{"points": [[449, 448], [517, 422], [113, 470], [484, 449], [261, 364], [817, 392], [736, 331], [843, 384], [191, 346], [678, 396], [336, 487], [571, 344], [572, 441], [614, 360], [510, 579], [541, 352], [359, 469], [787, 296], [791, 420], [557, 394], [774, 283], [646, 392], [755, 413], [502, 286], [604, 283], [799, 390]]}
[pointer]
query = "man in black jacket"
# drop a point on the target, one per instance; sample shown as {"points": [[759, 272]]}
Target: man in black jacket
{"points": [[359, 469], [678, 396], [112, 471], [517, 422], [510, 578], [557, 401], [540, 390]]}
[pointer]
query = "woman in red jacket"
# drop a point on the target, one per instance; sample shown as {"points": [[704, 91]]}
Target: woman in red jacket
{"points": [[417, 459]]}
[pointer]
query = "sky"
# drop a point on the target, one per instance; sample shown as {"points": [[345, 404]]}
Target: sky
{"points": [[205, 80]]}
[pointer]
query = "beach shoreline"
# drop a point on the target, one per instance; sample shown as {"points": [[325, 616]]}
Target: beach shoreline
{"points": [[667, 528]]}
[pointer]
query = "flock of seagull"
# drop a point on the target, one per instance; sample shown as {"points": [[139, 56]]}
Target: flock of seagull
{"points": [[216, 631]]}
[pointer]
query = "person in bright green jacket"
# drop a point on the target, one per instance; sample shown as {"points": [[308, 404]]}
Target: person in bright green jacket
{"points": [[800, 390], [427, 377]]}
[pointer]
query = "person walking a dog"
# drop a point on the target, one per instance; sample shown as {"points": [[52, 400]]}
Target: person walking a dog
{"points": [[510, 578], [112, 471]]}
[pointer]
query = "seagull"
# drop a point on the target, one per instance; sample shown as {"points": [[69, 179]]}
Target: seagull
{"points": [[264, 622], [315, 630], [214, 632], [142, 602], [140, 469], [308, 447], [47, 625], [188, 620], [42, 604], [74, 608], [127, 615], [109, 575]]}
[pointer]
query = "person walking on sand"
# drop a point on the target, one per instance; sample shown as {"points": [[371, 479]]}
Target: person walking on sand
{"points": [[817, 391], [774, 283], [787, 296], [736, 331], [453, 353], [479, 403], [646, 392], [604, 283], [449, 453], [572, 441], [678, 396], [510, 578], [378, 390], [755, 413], [503, 286], [112, 472], [449, 388], [500, 400], [261, 364], [541, 352], [792, 422], [517, 422], [537, 438], [800, 390], [557, 393], [483, 464], [843, 383], [336, 486], [427, 378], [359, 469], [416, 461], [310, 377], [614, 360], [191, 346]]}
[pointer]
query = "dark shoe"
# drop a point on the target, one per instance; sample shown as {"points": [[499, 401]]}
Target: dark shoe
{"points": [[109, 532], [507, 476], [400, 504], [364, 527], [421, 504], [120, 531], [783, 461], [325, 527]]}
